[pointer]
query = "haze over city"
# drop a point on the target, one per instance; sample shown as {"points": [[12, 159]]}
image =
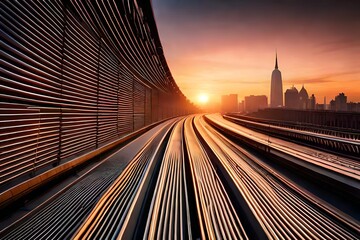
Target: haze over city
{"points": [[222, 47]]}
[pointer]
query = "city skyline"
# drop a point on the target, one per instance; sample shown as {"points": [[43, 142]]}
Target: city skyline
{"points": [[216, 48]]}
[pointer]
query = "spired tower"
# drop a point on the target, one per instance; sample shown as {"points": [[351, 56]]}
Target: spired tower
{"points": [[276, 92]]}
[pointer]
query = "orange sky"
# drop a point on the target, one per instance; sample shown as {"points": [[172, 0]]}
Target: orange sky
{"points": [[224, 50]]}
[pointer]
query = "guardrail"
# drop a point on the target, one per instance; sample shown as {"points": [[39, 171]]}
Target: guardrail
{"points": [[345, 146], [341, 173], [334, 131]]}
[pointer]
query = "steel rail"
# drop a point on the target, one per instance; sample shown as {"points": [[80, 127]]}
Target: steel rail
{"points": [[116, 213], [169, 214], [61, 215], [339, 132], [284, 213], [340, 144], [217, 216], [320, 135], [344, 166]]}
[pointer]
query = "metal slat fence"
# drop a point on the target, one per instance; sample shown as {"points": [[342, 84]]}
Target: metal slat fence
{"points": [[74, 76]]}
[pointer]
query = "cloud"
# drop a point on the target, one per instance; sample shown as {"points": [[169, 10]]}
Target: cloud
{"points": [[309, 80], [326, 78], [240, 82], [341, 44]]}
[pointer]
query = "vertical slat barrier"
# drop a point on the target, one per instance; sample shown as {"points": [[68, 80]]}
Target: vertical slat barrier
{"points": [[164, 105], [108, 102], [125, 102], [19, 134], [155, 105], [31, 37], [161, 105], [74, 76], [139, 105], [79, 119], [47, 138], [30, 64], [29, 139], [148, 110]]}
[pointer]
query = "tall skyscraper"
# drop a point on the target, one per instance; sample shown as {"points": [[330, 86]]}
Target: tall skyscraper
{"points": [[276, 92]]}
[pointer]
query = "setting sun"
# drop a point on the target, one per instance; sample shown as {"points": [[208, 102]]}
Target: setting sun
{"points": [[203, 98]]}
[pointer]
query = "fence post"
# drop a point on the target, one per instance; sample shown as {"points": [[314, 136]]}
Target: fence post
{"points": [[97, 94], [58, 160]]}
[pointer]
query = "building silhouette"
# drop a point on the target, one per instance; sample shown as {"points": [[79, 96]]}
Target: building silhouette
{"points": [[292, 98], [229, 103], [276, 91], [242, 106], [312, 102], [353, 107], [340, 103], [295, 99], [303, 98], [254, 103]]}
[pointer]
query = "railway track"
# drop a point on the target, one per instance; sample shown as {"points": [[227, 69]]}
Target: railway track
{"points": [[343, 166], [59, 219], [169, 213], [217, 215], [189, 181], [117, 212], [339, 144], [327, 130], [283, 209], [62, 214]]}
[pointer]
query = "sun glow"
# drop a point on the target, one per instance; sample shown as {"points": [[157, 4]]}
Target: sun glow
{"points": [[203, 98]]}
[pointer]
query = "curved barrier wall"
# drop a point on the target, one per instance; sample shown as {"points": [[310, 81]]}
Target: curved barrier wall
{"points": [[74, 76]]}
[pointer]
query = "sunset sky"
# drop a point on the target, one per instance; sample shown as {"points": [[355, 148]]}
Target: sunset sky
{"points": [[216, 47]]}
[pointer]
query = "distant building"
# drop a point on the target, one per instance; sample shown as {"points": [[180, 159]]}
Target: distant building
{"points": [[353, 107], [242, 106], [332, 105], [320, 106], [276, 91], [254, 103], [299, 100], [312, 102], [303, 98], [292, 98], [229, 103], [340, 102]]}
